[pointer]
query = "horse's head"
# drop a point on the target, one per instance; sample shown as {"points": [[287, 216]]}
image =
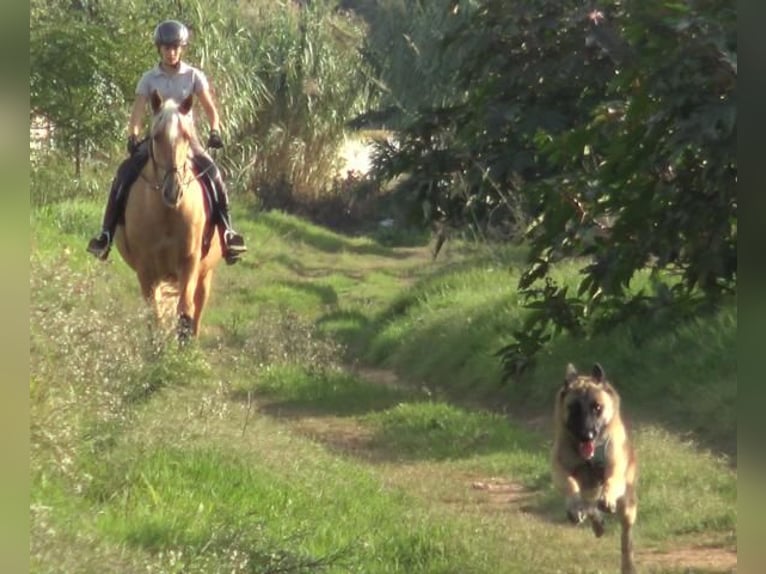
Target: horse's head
{"points": [[172, 133]]}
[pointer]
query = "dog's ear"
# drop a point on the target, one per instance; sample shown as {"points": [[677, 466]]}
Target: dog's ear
{"points": [[598, 373], [570, 376]]}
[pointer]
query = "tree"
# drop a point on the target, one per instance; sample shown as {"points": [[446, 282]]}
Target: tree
{"points": [[72, 86], [85, 60], [614, 128]]}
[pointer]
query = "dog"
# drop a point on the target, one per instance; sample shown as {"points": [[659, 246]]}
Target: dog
{"points": [[593, 461]]}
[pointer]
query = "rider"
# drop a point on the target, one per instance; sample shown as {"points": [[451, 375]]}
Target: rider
{"points": [[173, 79]]}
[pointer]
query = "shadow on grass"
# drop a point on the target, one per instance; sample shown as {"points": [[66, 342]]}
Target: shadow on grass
{"points": [[324, 293], [327, 241], [344, 403], [397, 423], [440, 431], [294, 392], [379, 421], [296, 266], [349, 328], [681, 376]]}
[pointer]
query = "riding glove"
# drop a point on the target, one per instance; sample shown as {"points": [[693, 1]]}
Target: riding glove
{"points": [[214, 140]]}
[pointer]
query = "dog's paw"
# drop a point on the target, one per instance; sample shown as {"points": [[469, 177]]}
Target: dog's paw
{"points": [[607, 504], [598, 526], [575, 516], [576, 511]]}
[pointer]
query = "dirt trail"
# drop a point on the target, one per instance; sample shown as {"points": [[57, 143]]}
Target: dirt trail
{"points": [[481, 495]]}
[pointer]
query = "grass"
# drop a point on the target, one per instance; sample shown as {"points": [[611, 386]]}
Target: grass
{"points": [[271, 445]]}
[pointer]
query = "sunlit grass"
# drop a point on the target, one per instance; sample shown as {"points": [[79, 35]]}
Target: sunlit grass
{"points": [[259, 445]]}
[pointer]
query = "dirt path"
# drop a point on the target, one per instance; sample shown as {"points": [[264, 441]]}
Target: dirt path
{"points": [[488, 497]]}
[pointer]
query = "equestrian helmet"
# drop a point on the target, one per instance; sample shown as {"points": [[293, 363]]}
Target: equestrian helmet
{"points": [[171, 33]]}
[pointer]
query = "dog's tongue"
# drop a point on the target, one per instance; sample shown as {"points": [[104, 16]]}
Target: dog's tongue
{"points": [[587, 449]]}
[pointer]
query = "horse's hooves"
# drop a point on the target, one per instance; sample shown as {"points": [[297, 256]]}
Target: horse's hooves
{"points": [[185, 329]]}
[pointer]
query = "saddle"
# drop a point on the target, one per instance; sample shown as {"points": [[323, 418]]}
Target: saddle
{"points": [[130, 170]]}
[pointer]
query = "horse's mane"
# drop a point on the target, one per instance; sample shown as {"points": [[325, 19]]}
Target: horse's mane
{"points": [[167, 112]]}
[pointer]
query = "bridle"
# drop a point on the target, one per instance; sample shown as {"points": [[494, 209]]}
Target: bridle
{"points": [[170, 172], [171, 175], [158, 184]]}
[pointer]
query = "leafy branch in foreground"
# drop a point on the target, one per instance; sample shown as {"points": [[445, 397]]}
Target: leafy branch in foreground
{"points": [[615, 131], [613, 128], [647, 184]]}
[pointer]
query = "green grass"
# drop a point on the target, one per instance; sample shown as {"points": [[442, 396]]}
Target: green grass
{"points": [[176, 499], [680, 375], [323, 390], [260, 448]]}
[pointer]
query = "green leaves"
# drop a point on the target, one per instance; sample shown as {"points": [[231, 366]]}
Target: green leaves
{"points": [[74, 83], [616, 135]]}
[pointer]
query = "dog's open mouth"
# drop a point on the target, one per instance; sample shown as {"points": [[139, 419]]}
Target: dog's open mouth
{"points": [[587, 449]]}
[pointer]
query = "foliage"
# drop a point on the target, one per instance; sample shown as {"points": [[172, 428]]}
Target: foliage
{"points": [[73, 75], [649, 180], [608, 134], [287, 77], [316, 80], [51, 182], [405, 46], [204, 474]]}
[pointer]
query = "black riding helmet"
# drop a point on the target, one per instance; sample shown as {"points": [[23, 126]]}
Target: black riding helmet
{"points": [[171, 33]]}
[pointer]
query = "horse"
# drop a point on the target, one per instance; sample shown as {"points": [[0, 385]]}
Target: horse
{"points": [[168, 236]]}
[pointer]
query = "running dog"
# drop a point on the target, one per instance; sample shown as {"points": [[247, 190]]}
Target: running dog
{"points": [[593, 461]]}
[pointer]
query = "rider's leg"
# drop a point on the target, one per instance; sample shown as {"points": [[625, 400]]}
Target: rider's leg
{"points": [[234, 242], [115, 205]]}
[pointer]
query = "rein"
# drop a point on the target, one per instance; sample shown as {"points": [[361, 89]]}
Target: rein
{"points": [[157, 184]]}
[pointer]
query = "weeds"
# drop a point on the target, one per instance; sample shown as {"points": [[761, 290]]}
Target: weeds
{"points": [[145, 458], [244, 548], [83, 365]]}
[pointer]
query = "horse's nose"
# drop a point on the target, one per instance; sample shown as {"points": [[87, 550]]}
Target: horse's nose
{"points": [[170, 193], [171, 189]]}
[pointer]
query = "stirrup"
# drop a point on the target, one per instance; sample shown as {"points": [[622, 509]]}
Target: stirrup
{"points": [[234, 242], [100, 246]]}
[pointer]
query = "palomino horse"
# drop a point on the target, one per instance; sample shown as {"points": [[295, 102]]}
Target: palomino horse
{"points": [[168, 237]]}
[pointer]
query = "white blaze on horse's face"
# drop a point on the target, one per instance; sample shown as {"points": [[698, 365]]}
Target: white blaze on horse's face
{"points": [[170, 146]]}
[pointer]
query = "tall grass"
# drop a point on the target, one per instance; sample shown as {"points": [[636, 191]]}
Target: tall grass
{"points": [[288, 78], [53, 180], [406, 45]]}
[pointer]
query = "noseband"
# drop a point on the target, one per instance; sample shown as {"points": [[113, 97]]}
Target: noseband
{"points": [[172, 171], [169, 172]]}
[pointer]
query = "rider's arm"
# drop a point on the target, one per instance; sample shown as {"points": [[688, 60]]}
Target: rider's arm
{"points": [[137, 115], [210, 110]]}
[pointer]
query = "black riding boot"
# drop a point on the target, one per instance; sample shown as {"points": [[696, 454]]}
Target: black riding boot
{"points": [[127, 173], [234, 243]]}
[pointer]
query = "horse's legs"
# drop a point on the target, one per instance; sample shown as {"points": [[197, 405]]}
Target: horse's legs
{"points": [[151, 295], [200, 298], [186, 308], [185, 329]]}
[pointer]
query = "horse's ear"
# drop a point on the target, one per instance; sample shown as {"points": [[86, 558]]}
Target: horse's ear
{"points": [[156, 101], [186, 105]]}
